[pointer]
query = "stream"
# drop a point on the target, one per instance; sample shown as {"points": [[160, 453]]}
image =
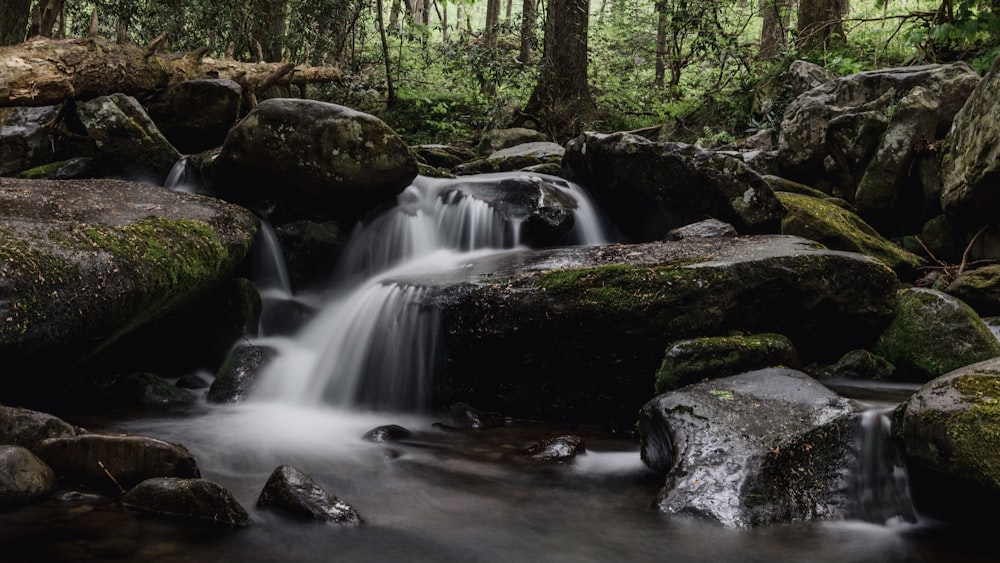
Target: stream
{"points": [[443, 493]]}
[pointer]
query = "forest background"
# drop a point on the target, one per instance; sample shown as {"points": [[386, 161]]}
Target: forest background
{"points": [[444, 71]]}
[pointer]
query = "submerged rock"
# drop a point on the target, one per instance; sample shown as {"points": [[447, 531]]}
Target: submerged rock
{"points": [[108, 462], [295, 494], [950, 431], [387, 433], [558, 449], [84, 263], [710, 357], [23, 477], [236, 378], [197, 500], [760, 448], [932, 334], [313, 158], [649, 188]]}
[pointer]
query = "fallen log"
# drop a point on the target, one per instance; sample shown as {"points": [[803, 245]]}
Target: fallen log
{"points": [[48, 71]]}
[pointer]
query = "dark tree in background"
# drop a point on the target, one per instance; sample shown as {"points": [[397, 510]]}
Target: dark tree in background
{"points": [[14, 23], [774, 28], [561, 101], [820, 24]]}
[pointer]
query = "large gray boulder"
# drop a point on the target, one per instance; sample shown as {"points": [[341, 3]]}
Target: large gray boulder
{"points": [[84, 263], [28, 428], [759, 448], [23, 477], [313, 157], [649, 188], [971, 166], [127, 138], [554, 333], [950, 431], [932, 334], [195, 115], [196, 500]]}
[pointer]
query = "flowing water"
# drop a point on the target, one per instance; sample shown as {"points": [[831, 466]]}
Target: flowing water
{"points": [[442, 494]]}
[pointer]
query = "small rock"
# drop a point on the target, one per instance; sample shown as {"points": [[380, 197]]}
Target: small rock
{"points": [[294, 493], [193, 499], [387, 433]]}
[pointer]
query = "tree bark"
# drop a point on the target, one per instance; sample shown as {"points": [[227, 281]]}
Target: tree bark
{"points": [[44, 17], [820, 23], [661, 43], [48, 71], [529, 18], [14, 23], [773, 31], [561, 100], [486, 86]]}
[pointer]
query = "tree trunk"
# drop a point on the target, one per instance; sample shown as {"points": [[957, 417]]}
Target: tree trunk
{"points": [[561, 101], [269, 29], [509, 10], [529, 18], [44, 17], [820, 24], [397, 7], [773, 31], [390, 90], [14, 23], [47, 71], [486, 86], [661, 43]]}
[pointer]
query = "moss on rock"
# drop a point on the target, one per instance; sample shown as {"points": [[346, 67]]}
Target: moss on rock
{"points": [[690, 361]]}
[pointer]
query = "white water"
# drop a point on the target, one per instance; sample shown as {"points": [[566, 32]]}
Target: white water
{"points": [[374, 342], [880, 487]]}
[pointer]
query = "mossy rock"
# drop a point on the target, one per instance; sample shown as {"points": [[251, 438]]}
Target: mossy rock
{"points": [[109, 258], [839, 229], [980, 288], [933, 334], [693, 360]]}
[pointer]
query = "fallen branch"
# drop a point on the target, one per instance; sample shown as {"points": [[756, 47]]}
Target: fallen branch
{"points": [[49, 71]]}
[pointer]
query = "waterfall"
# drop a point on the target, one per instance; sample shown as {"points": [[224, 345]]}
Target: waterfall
{"points": [[374, 343], [879, 485], [179, 177]]}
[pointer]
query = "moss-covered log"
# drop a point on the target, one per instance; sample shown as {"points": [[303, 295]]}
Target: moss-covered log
{"points": [[49, 71]]}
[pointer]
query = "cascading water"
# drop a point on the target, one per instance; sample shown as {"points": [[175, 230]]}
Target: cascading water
{"points": [[374, 343], [879, 485]]}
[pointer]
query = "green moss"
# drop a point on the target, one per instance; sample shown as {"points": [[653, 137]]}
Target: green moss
{"points": [[975, 431], [31, 274], [689, 361], [622, 286]]}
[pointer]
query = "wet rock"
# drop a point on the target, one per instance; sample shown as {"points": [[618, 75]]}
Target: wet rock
{"points": [[192, 381], [295, 494], [971, 164], [465, 416], [933, 334], [148, 390], [195, 115], [28, 428], [23, 477], [950, 431], [108, 462], [443, 156], [127, 138], [518, 157], [310, 248], [710, 357], [387, 433], [649, 188], [759, 448], [979, 288], [238, 375], [81, 167], [859, 364], [839, 229], [558, 449], [80, 273], [313, 158], [197, 500]]}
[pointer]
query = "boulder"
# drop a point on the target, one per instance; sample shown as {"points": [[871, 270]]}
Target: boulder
{"points": [[933, 334], [803, 142], [78, 168], [195, 115], [839, 229], [197, 500], [313, 158], [442, 156], [148, 390], [79, 273], [387, 433], [710, 357], [709, 228], [295, 494], [518, 157], [499, 139], [108, 462], [558, 449], [950, 431], [23, 477], [26, 138], [979, 288], [28, 428], [759, 448], [309, 247], [971, 164], [127, 138], [649, 188], [804, 76], [552, 334], [858, 364]]}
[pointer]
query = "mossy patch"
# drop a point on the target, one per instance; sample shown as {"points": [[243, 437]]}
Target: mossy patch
{"points": [[689, 361], [975, 430], [623, 286], [30, 274]]}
